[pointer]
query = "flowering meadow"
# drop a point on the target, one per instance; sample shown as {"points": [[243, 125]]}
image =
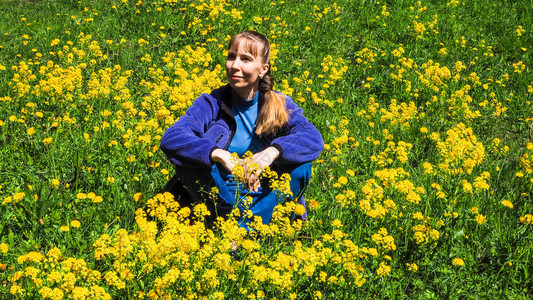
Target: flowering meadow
{"points": [[424, 190]]}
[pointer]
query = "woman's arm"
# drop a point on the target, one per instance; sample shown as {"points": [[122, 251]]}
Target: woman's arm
{"points": [[224, 158], [183, 142], [303, 143]]}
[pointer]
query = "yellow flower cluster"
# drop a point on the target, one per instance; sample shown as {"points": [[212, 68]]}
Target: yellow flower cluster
{"points": [[366, 57], [527, 219], [169, 238], [331, 11], [399, 115], [384, 240], [17, 197], [333, 70], [434, 75], [420, 28], [526, 164], [424, 233], [460, 152], [57, 277]]}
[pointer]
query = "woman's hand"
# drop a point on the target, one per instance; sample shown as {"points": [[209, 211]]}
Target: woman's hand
{"points": [[224, 158], [260, 159]]}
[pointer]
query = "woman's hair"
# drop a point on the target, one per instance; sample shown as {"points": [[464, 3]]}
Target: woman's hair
{"points": [[273, 114]]}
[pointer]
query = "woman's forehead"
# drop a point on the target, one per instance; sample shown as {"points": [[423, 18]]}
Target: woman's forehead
{"points": [[245, 45]]}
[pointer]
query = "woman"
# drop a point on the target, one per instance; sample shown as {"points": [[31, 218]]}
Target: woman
{"points": [[245, 115]]}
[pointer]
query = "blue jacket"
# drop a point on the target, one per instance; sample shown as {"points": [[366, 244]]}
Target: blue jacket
{"points": [[209, 124]]}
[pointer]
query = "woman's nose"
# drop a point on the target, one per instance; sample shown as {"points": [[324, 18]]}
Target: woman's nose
{"points": [[235, 64]]}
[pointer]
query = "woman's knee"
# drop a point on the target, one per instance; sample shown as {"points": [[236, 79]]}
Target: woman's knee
{"points": [[302, 172], [298, 173]]}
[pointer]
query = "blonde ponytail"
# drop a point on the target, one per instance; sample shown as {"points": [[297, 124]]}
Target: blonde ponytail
{"points": [[273, 115]]}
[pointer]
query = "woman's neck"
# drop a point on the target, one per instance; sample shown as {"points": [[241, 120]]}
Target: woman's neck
{"points": [[246, 94], [237, 98]]}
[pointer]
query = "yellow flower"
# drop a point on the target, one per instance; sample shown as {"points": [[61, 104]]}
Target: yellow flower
{"points": [[55, 183], [30, 131], [7, 200], [343, 180], [458, 262], [383, 269], [4, 248], [313, 204], [527, 219], [18, 196], [75, 223], [481, 219], [299, 210], [47, 140], [428, 168], [467, 187], [520, 30], [507, 203], [142, 42], [30, 257], [412, 267], [15, 289], [137, 196], [64, 228], [336, 223]]}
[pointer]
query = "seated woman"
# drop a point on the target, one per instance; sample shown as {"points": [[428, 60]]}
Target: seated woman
{"points": [[246, 115]]}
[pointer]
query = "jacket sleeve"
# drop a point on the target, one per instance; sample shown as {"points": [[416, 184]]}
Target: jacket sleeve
{"points": [[183, 142], [302, 143]]}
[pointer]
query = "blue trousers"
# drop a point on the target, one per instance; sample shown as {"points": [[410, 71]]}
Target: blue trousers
{"points": [[197, 182]]}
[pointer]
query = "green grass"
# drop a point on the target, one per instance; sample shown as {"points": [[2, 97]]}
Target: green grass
{"points": [[364, 37]]}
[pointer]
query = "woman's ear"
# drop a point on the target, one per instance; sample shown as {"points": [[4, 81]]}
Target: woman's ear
{"points": [[264, 70]]}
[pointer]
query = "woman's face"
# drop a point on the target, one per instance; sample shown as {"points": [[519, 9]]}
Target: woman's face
{"points": [[244, 71]]}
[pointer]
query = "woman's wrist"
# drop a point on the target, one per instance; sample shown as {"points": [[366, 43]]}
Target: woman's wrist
{"points": [[273, 153], [217, 155], [266, 157]]}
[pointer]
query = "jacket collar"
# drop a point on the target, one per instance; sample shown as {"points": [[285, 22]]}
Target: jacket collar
{"points": [[225, 103]]}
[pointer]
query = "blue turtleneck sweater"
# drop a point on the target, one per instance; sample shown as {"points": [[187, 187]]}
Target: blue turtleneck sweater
{"points": [[245, 113]]}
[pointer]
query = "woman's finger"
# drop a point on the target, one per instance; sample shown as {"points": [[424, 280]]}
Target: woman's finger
{"points": [[249, 181], [253, 182], [257, 184]]}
